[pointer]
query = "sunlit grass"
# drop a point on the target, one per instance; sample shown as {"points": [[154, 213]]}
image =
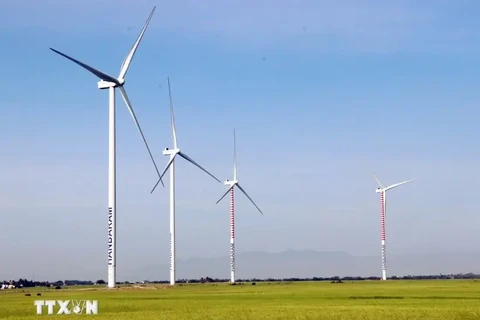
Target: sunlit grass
{"points": [[430, 299]]}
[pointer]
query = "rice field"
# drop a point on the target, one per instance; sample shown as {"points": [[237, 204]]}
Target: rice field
{"points": [[429, 299]]}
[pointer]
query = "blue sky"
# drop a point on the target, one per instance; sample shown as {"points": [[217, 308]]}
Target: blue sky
{"points": [[321, 94]]}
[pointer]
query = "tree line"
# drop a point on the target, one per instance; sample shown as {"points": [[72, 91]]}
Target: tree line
{"points": [[24, 283], [336, 278]]}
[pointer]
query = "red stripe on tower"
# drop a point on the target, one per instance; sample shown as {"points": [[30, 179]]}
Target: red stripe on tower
{"points": [[232, 215], [382, 215]]}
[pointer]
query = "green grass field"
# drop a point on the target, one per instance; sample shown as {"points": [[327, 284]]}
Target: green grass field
{"points": [[431, 299]]}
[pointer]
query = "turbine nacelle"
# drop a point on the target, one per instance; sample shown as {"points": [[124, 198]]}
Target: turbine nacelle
{"points": [[102, 84], [168, 151], [176, 151], [234, 183], [382, 188], [230, 182]]}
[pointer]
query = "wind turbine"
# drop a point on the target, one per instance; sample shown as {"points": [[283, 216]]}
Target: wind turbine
{"points": [[383, 190], [231, 185], [171, 164], [111, 83]]}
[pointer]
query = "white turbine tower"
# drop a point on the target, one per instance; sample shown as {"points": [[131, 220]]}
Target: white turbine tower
{"points": [[171, 164], [111, 83], [383, 190], [231, 185]]}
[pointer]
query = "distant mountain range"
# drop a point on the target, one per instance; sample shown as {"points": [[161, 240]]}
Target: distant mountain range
{"points": [[307, 264]]}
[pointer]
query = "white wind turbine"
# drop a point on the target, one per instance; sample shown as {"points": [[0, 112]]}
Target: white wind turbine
{"points": [[111, 83], [171, 164], [231, 185], [383, 190]]}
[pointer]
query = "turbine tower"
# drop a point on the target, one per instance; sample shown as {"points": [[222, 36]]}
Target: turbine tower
{"points": [[111, 83], [172, 153], [383, 191], [231, 185]]}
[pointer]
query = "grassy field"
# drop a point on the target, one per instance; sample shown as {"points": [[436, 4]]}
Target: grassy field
{"points": [[431, 299]]}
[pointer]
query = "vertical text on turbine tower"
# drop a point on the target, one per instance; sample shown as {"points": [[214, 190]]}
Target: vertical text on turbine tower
{"points": [[110, 236]]}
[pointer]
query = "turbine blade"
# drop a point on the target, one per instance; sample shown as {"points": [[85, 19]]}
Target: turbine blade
{"points": [[96, 72], [224, 194], [155, 186], [245, 193], [172, 117], [378, 181], [183, 155], [234, 156], [128, 59], [134, 117], [163, 173], [399, 184]]}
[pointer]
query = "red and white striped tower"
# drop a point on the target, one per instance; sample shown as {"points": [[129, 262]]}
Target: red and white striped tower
{"points": [[382, 234], [383, 207], [231, 185], [232, 236]]}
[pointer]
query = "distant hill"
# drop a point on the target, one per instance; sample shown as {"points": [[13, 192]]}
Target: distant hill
{"points": [[305, 264]]}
